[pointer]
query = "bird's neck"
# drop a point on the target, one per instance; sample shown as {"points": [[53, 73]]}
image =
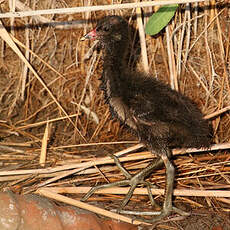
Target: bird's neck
{"points": [[114, 56], [114, 66]]}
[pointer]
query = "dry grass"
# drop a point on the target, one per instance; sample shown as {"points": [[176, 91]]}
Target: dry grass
{"points": [[56, 88]]}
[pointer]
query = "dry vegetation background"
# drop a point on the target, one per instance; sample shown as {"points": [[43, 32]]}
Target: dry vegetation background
{"points": [[201, 66]]}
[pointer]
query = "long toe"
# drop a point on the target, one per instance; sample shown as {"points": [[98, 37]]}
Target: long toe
{"points": [[156, 216], [99, 187]]}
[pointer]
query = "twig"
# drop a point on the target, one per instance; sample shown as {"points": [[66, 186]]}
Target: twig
{"points": [[44, 122], [108, 160], [141, 31], [171, 60], [75, 10], [141, 191], [217, 112], [45, 140], [89, 207], [25, 67]]}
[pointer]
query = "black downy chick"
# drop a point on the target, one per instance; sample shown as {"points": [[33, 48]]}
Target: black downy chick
{"points": [[162, 118]]}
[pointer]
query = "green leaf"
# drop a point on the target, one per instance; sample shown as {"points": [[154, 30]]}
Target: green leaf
{"points": [[160, 19]]}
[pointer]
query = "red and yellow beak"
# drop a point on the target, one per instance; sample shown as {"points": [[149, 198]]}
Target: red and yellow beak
{"points": [[92, 35]]}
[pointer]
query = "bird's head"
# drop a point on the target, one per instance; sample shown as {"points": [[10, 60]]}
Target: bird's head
{"points": [[111, 29]]}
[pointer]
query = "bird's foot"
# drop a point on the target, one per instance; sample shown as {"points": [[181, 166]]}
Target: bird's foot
{"points": [[133, 181], [165, 212], [158, 216], [137, 179]]}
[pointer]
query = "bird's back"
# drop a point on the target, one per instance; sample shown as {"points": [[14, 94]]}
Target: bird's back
{"points": [[163, 113]]}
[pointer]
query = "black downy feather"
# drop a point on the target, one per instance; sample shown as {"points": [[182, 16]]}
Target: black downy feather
{"points": [[161, 117]]}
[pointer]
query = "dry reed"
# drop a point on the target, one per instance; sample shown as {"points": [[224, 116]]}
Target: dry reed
{"points": [[45, 80]]}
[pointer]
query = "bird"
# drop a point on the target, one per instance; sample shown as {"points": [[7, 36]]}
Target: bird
{"points": [[161, 117]]}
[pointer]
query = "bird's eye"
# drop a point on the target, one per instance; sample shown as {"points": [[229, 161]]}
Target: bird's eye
{"points": [[98, 28], [105, 28]]}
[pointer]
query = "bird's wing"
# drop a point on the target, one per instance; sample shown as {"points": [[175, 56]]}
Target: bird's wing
{"points": [[151, 107], [122, 111]]}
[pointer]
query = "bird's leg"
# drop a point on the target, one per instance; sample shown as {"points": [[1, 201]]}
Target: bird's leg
{"points": [[170, 174], [133, 181], [167, 206]]}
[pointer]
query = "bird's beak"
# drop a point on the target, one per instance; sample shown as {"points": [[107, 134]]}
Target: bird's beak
{"points": [[92, 35]]}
